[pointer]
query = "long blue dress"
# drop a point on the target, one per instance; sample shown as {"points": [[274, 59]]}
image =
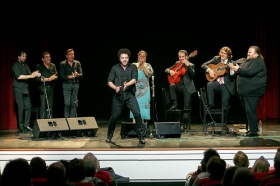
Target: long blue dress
{"points": [[142, 93]]}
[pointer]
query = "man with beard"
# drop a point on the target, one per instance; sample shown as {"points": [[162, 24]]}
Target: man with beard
{"points": [[251, 85], [122, 79], [21, 73], [70, 72], [46, 88]]}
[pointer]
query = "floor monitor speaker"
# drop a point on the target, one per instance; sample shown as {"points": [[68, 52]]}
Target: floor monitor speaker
{"points": [[168, 129], [48, 128], [83, 126]]}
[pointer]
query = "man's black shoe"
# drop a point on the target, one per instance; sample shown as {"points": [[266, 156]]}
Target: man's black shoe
{"points": [[141, 140], [28, 128], [250, 134], [173, 108], [109, 139]]}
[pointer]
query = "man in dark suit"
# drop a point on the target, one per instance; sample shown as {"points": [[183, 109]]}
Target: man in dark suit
{"points": [[251, 81], [185, 85], [224, 84]]}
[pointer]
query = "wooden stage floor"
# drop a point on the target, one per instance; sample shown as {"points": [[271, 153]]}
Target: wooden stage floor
{"points": [[193, 139]]}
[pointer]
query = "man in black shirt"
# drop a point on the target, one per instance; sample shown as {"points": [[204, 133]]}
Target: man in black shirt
{"points": [[21, 73], [70, 72], [122, 79], [46, 87]]}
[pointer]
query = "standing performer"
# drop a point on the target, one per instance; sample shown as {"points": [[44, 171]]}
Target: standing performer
{"points": [[122, 79], [21, 73], [46, 87], [251, 85], [184, 77], [223, 83], [70, 72], [142, 94]]}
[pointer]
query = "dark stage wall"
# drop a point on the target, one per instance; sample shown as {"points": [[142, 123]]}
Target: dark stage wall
{"points": [[96, 30]]}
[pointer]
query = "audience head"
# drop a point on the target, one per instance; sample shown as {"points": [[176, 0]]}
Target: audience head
{"points": [[278, 150], [206, 156], [243, 177], [228, 175], [56, 174], [16, 172], [91, 158], [241, 159], [67, 168], [77, 170], [89, 169], [261, 165], [38, 167], [216, 167], [277, 162]]}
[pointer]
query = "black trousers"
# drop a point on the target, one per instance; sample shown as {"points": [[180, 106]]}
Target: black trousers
{"points": [[44, 97], [213, 88], [180, 88], [118, 102], [24, 109], [70, 93], [250, 105]]}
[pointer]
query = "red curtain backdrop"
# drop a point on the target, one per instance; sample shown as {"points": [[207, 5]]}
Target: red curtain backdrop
{"points": [[266, 39]]}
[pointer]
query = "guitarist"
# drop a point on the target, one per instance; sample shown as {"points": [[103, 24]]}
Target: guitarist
{"points": [[224, 84], [186, 85]]}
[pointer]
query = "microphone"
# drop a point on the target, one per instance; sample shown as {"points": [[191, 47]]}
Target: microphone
{"points": [[153, 78], [42, 77], [198, 94], [73, 75]]}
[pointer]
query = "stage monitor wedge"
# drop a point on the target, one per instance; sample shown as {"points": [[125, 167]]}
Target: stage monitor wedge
{"points": [[48, 128], [82, 126], [168, 129]]}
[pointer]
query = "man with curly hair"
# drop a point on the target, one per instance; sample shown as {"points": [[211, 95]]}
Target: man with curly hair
{"points": [[122, 79]]}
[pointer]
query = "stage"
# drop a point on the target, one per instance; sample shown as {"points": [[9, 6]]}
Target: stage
{"points": [[169, 158]]}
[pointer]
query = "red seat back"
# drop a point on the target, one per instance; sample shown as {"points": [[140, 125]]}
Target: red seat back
{"points": [[273, 183], [203, 181]]}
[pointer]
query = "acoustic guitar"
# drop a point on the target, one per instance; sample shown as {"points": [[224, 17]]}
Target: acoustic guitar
{"points": [[180, 70], [220, 69]]}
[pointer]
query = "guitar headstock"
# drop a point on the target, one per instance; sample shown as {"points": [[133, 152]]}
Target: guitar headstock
{"points": [[193, 54]]}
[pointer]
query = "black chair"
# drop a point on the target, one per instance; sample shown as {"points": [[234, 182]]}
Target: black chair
{"points": [[210, 112], [179, 113]]}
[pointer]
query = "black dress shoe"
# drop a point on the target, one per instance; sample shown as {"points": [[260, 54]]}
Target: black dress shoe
{"points": [[28, 128], [21, 130], [109, 139], [250, 134], [141, 140]]}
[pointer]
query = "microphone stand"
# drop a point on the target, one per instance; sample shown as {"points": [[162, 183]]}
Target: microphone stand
{"points": [[47, 100], [154, 99], [76, 101]]}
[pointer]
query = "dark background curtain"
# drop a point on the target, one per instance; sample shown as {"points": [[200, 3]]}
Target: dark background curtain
{"points": [[96, 30]]}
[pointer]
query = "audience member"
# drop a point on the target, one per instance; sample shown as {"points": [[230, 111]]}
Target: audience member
{"points": [[77, 170], [273, 175], [56, 174], [67, 169], [38, 167], [216, 168], [90, 174], [261, 165], [228, 176], [16, 172], [205, 174], [243, 177], [241, 159]]}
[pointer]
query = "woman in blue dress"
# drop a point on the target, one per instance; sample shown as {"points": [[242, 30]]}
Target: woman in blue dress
{"points": [[142, 93]]}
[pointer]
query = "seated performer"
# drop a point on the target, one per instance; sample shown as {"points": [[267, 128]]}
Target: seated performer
{"points": [[181, 81], [122, 79], [222, 83]]}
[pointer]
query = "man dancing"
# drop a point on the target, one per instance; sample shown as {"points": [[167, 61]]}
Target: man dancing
{"points": [[122, 79]]}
